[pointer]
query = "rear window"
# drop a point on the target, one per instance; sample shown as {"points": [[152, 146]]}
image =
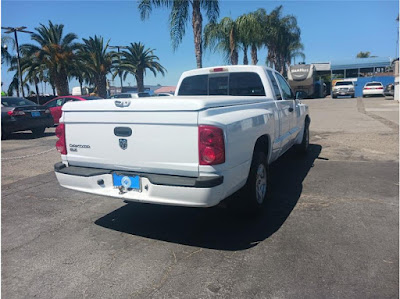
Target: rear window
{"points": [[143, 95], [14, 102], [374, 84], [235, 84]]}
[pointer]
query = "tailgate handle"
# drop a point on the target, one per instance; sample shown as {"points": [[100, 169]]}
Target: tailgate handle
{"points": [[122, 103], [122, 131]]}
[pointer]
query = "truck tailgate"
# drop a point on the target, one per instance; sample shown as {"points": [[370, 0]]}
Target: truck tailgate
{"points": [[163, 142]]}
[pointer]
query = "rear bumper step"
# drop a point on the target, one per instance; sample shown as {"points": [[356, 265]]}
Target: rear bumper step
{"points": [[156, 179]]}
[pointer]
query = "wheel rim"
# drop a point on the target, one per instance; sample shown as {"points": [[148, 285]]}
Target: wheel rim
{"points": [[261, 183]]}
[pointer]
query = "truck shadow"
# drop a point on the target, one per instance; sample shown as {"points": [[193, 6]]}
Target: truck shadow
{"points": [[26, 135], [219, 228]]}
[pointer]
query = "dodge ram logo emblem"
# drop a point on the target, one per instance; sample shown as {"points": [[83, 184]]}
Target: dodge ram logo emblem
{"points": [[123, 143]]}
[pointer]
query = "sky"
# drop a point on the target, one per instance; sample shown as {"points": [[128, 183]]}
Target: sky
{"points": [[330, 30]]}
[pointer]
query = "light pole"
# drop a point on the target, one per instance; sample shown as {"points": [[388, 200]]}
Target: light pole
{"points": [[19, 29], [119, 47]]}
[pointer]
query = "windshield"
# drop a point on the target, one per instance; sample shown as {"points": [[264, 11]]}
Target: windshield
{"points": [[343, 83], [14, 102]]}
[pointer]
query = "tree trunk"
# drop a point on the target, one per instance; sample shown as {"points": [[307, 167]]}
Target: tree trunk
{"points": [[81, 86], [139, 81], [254, 58], [37, 89], [197, 21], [245, 59], [61, 82], [101, 85]]}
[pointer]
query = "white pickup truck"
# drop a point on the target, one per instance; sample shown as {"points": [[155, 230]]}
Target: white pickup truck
{"points": [[219, 133]]}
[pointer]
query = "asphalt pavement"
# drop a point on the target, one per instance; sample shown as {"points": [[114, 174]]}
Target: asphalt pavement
{"points": [[331, 229]]}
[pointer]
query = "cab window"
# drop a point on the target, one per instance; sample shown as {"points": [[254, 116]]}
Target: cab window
{"points": [[275, 86], [286, 91]]}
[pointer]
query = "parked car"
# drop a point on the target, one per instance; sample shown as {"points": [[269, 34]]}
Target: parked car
{"points": [[56, 104], [343, 88], [373, 89], [134, 95], [389, 90], [19, 114], [221, 133], [163, 94]]}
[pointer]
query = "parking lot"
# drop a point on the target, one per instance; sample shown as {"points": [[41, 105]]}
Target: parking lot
{"points": [[330, 230]]}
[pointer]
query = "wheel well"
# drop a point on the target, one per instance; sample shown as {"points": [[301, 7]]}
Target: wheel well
{"points": [[262, 144]]}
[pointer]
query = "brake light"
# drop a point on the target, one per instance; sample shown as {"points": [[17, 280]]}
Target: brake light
{"points": [[218, 69], [211, 145], [60, 144], [15, 113], [379, 88]]}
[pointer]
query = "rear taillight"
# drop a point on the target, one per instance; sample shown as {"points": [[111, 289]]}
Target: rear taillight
{"points": [[379, 88], [60, 144], [211, 145], [15, 113]]}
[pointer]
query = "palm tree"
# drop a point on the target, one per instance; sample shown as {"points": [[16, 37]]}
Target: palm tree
{"points": [[55, 51], [79, 71], [251, 33], [14, 85], [223, 37], [97, 61], [179, 17], [362, 54], [282, 39], [136, 59], [296, 50], [6, 41]]}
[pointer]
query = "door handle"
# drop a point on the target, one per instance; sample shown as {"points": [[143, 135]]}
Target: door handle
{"points": [[290, 109]]}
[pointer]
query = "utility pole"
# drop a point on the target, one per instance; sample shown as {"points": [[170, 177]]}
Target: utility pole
{"points": [[15, 30], [119, 72]]}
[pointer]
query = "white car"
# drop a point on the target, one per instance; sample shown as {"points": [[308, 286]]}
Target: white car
{"points": [[373, 89], [220, 133], [343, 88], [134, 95]]}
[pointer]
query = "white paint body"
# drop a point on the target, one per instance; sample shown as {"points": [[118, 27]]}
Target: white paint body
{"points": [[164, 140]]}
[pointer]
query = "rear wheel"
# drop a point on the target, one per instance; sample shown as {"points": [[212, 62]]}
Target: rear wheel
{"points": [[257, 188], [38, 132], [3, 135], [334, 97], [302, 148]]}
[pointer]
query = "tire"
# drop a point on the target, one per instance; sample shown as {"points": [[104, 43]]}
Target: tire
{"points": [[302, 148], [257, 188], [334, 97], [352, 96], [38, 132], [3, 135]]}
